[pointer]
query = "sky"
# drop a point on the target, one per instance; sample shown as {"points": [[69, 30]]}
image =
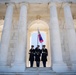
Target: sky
{"points": [[35, 41]]}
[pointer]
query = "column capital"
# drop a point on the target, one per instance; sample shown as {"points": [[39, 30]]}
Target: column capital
{"points": [[52, 4], [11, 3], [24, 3], [65, 4]]}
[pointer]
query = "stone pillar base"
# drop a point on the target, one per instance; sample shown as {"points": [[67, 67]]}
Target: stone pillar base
{"points": [[74, 67], [13, 68], [3, 63], [18, 67], [5, 69], [60, 67]]}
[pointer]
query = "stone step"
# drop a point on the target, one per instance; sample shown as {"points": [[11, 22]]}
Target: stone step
{"points": [[39, 69], [36, 71], [46, 73]]}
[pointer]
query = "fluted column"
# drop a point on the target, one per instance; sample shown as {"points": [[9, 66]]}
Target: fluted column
{"points": [[6, 34], [57, 63], [71, 36], [22, 35]]}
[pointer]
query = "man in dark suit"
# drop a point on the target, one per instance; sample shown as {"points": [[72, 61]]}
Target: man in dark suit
{"points": [[44, 55], [37, 55], [31, 55]]}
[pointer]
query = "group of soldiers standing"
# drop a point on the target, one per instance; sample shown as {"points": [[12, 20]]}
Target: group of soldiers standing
{"points": [[38, 55]]}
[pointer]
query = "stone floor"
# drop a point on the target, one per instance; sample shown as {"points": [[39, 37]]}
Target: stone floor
{"points": [[38, 71]]}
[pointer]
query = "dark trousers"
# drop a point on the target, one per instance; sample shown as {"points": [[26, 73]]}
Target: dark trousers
{"points": [[31, 63], [44, 63], [37, 63]]}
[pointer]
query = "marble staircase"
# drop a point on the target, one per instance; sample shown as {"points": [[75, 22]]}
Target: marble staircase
{"points": [[38, 71]]}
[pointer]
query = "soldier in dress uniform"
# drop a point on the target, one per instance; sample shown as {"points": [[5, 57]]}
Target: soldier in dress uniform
{"points": [[44, 55], [37, 55], [31, 55]]}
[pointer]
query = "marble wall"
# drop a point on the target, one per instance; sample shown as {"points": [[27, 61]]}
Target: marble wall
{"points": [[14, 38]]}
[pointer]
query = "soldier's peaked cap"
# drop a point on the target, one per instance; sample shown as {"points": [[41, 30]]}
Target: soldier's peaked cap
{"points": [[38, 45], [43, 45], [32, 45]]}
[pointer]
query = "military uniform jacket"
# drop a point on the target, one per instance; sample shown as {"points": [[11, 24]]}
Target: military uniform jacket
{"points": [[37, 54], [44, 55], [31, 54]]}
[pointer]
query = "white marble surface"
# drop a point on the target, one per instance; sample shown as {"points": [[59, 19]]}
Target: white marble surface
{"points": [[20, 52], [58, 63], [71, 35], [6, 35], [37, 1]]}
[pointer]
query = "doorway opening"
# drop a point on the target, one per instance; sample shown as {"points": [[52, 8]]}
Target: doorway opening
{"points": [[32, 39]]}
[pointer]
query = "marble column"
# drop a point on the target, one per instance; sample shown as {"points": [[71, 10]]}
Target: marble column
{"points": [[6, 34], [28, 47], [57, 60], [22, 35], [71, 36]]}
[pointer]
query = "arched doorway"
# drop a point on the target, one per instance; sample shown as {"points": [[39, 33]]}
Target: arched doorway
{"points": [[32, 39]]}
